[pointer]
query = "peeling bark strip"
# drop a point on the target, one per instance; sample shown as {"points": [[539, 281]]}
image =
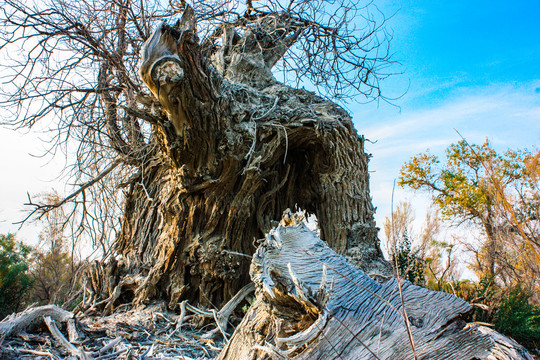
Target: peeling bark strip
{"points": [[234, 149], [314, 304]]}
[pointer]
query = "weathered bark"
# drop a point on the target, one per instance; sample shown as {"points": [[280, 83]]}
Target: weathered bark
{"points": [[234, 149], [27, 320], [314, 304]]}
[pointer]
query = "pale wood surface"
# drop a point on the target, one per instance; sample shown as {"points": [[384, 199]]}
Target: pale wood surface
{"points": [[356, 317], [33, 317]]}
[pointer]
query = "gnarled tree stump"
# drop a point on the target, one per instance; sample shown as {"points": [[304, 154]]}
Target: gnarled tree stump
{"points": [[314, 304], [233, 149]]}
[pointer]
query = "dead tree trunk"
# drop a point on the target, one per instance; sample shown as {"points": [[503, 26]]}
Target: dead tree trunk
{"points": [[314, 304], [233, 149]]}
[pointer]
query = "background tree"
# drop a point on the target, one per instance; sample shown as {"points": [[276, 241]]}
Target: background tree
{"points": [[406, 259], [499, 194], [397, 224], [424, 257], [205, 163], [15, 279], [56, 264]]}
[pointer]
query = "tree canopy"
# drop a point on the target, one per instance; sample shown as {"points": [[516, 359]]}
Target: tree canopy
{"points": [[500, 193]]}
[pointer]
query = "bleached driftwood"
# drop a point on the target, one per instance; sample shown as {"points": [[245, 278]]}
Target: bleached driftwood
{"points": [[136, 333], [221, 317], [61, 339], [32, 317], [314, 304]]}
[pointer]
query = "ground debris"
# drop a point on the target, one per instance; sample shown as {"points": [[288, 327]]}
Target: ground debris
{"points": [[145, 334]]}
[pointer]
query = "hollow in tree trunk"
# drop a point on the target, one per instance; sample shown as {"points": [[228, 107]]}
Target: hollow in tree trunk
{"points": [[235, 149]]}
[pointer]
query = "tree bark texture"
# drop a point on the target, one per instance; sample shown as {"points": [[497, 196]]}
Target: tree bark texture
{"points": [[233, 149], [312, 303]]}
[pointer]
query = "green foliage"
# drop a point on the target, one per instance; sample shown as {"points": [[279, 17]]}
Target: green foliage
{"points": [[499, 194], [466, 185], [407, 261], [459, 187], [519, 319], [14, 277], [486, 290], [251, 301]]}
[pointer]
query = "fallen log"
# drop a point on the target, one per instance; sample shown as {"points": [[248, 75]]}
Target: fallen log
{"points": [[30, 318], [313, 304]]}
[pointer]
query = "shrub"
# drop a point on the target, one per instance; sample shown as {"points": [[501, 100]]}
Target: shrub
{"points": [[518, 319], [15, 280]]}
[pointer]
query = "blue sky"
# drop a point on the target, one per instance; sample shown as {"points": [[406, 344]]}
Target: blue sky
{"points": [[473, 66], [466, 42]]}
